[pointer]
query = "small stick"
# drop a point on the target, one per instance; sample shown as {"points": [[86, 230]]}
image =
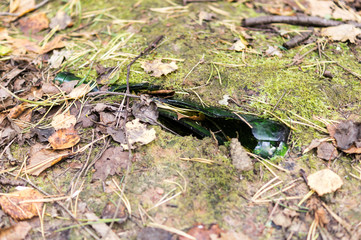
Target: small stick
{"points": [[297, 40], [185, 2], [294, 20]]}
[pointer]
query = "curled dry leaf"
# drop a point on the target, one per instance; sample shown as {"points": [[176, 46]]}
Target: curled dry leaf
{"points": [[238, 46], [41, 159], [158, 68], [138, 133], [61, 20], [342, 32], [14, 204], [63, 120], [64, 138], [324, 181], [79, 91]]}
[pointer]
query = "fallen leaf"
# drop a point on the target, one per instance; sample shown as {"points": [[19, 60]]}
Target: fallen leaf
{"points": [[112, 161], [13, 204], [64, 138], [57, 42], [101, 228], [324, 181], [158, 68], [314, 144], [327, 151], [49, 88], [201, 232], [273, 51], [205, 16], [61, 20], [79, 91], [138, 133], [342, 32], [280, 219], [238, 46], [21, 46], [327, 9], [41, 158], [15, 232], [3, 33], [43, 133], [118, 135], [58, 57], [68, 87], [21, 7], [34, 23], [107, 118], [16, 111], [239, 156], [109, 210], [346, 134], [63, 120], [146, 110]]}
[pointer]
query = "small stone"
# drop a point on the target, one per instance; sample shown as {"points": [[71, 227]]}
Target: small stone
{"points": [[239, 156]]}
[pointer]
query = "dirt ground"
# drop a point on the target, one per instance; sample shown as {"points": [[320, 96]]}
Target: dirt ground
{"points": [[164, 187]]}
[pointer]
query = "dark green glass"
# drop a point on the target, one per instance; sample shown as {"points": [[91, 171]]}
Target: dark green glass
{"points": [[261, 136]]}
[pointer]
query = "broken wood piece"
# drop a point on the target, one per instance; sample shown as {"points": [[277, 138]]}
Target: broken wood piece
{"points": [[294, 20], [297, 40]]}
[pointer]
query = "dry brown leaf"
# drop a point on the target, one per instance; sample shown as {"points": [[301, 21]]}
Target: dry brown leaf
{"points": [[21, 7], [64, 138], [41, 159], [12, 204], [327, 151], [63, 120], [324, 181], [79, 91], [57, 42], [34, 23], [15, 232], [342, 32], [158, 68], [16, 111], [61, 20], [112, 161], [138, 133], [327, 9], [21, 46]]}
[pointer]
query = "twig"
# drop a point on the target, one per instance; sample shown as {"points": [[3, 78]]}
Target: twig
{"points": [[294, 20], [185, 2], [297, 40], [112, 93]]}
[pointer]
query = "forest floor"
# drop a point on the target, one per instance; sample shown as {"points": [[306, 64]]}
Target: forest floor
{"points": [[168, 184]]}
